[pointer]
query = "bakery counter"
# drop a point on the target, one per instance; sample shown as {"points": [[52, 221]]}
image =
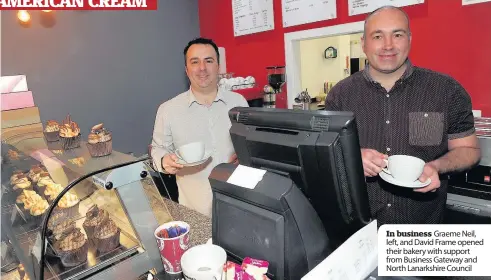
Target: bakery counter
{"points": [[172, 211]]}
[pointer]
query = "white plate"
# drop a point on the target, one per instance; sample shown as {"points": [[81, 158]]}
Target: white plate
{"points": [[183, 163], [414, 185]]}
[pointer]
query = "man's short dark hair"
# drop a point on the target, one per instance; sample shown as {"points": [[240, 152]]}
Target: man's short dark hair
{"points": [[202, 41], [385, 8]]}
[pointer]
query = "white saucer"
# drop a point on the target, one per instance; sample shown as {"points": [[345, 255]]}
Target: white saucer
{"points": [[183, 163], [414, 185]]}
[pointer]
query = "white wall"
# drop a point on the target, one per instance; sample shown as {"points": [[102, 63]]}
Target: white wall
{"points": [[316, 70]]}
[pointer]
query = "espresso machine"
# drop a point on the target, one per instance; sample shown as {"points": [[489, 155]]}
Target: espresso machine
{"points": [[276, 80], [469, 192]]}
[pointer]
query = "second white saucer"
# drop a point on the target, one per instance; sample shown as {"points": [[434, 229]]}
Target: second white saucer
{"points": [[414, 185]]}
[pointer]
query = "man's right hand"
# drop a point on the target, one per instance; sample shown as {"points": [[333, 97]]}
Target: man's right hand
{"points": [[170, 165], [373, 162]]}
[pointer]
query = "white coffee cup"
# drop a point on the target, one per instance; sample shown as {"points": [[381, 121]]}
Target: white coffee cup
{"points": [[191, 152], [404, 168], [203, 262]]}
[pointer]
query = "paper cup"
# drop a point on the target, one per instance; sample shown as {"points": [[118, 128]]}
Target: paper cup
{"points": [[172, 249]]}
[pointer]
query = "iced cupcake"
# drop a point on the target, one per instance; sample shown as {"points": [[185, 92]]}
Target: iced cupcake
{"points": [[29, 202], [51, 191], [99, 142], [16, 175], [93, 218], [21, 184], [69, 204], [52, 131], [73, 248], [43, 183], [69, 134], [60, 230], [37, 210], [106, 236]]}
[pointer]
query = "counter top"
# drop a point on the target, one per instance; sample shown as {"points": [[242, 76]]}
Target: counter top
{"points": [[199, 223]]}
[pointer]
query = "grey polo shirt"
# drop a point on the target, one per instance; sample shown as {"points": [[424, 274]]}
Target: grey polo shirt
{"points": [[183, 120]]}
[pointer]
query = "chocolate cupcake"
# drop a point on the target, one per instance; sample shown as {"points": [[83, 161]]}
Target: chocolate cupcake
{"points": [[106, 236], [93, 218], [70, 134], [61, 229], [99, 141], [52, 131], [73, 248], [55, 219]]}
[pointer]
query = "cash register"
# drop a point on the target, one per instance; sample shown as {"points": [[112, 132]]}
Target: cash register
{"points": [[311, 198]]}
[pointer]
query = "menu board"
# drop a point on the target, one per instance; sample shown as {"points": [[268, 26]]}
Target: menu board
{"points": [[356, 7], [470, 2], [252, 16], [296, 12]]}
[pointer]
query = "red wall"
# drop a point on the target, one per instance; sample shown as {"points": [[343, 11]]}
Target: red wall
{"points": [[447, 37]]}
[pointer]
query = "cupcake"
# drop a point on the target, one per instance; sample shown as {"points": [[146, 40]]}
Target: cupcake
{"points": [[93, 218], [42, 183], [52, 131], [73, 248], [51, 191], [37, 210], [69, 134], [69, 204], [56, 219], [106, 236], [16, 175], [21, 184], [29, 202], [61, 229], [24, 196], [99, 141]]}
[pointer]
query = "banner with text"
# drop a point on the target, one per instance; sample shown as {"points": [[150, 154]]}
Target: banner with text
{"points": [[434, 250]]}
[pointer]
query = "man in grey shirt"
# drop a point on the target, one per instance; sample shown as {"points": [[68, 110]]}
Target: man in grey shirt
{"points": [[197, 115]]}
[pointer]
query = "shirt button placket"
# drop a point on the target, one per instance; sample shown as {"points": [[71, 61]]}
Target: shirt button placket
{"points": [[387, 122]]}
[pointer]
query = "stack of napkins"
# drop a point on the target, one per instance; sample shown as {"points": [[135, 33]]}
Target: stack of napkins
{"points": [[246, 177]]}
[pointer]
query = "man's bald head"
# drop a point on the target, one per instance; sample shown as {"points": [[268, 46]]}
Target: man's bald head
{"points": [[384, 8]]}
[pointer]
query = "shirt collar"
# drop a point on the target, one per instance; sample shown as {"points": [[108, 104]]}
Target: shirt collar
{"points": [[407, 73], [192, 98]]}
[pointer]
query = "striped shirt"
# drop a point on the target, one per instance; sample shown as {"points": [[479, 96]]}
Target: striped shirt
{"points": [[416, 117], [184, 120]]}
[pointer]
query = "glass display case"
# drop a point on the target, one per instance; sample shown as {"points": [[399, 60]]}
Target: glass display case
{"points": [[102, 228]]}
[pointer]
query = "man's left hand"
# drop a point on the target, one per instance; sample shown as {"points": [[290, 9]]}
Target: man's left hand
{"points": [[233, 159], [431, 172]]}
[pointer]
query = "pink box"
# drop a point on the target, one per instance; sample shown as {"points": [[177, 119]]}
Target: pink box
{"points": [[17, 100]]}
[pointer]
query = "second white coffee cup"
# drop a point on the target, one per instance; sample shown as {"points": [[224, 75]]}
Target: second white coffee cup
{"points": [[404, 168], [191, 152], [203, 262]]}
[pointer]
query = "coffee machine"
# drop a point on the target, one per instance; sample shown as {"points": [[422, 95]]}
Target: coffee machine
{"points": [[470, 191], [276, 79]]}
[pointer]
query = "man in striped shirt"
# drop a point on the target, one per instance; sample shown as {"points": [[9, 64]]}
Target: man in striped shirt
{"points": [[404, 109]]}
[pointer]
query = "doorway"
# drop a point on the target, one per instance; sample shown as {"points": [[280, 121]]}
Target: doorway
{"points": [[327, 60], [293, 53]]}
